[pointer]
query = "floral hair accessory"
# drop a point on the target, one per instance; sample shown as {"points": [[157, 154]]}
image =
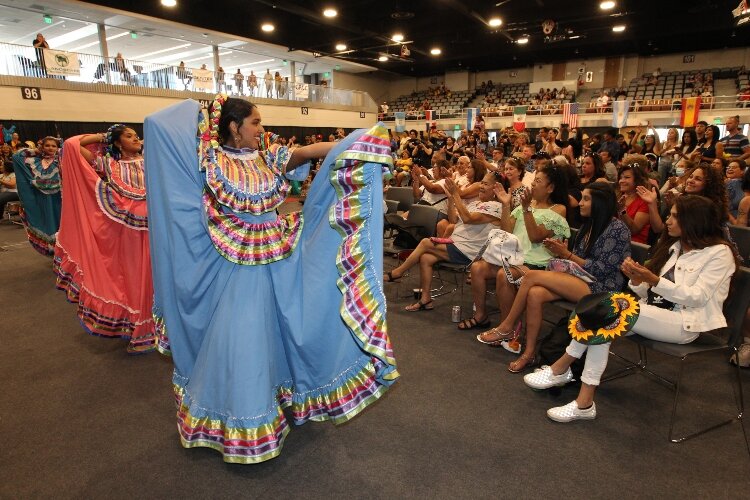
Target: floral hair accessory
{"points": [[112, 150], [211, 134]]}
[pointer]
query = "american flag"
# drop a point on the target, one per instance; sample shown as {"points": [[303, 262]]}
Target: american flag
{"points": [[570, 114]]}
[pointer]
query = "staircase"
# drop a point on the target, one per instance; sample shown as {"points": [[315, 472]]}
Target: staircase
{"points": [[726, 88]]}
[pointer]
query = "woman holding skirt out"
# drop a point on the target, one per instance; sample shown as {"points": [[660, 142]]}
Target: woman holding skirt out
{"points": [[264, 311], [102, 253], [38, 183]]}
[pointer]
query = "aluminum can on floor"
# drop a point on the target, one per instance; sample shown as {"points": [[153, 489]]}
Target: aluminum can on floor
{"points": [[456, 314]]}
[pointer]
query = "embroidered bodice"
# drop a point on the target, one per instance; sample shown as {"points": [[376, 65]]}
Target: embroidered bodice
{"points": [[46, 172], [242, 186]]}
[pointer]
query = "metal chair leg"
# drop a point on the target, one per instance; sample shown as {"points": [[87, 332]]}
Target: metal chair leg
{"points": [[703, 431]]}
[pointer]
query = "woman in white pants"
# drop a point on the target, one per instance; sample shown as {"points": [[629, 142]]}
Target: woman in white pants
{"points": [[682, 290]]}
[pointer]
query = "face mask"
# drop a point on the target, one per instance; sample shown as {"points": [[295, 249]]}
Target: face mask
{"points": [[679, 171]]}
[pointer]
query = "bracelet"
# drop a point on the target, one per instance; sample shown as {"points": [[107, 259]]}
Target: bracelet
{"points": [[569, 256]]}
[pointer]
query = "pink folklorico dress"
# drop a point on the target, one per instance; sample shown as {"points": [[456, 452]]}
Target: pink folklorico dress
{"points": [[102, 258]]}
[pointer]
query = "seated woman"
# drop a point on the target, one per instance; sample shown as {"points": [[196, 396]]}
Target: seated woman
{"points": [[682, 289], [703, 181], [431, 190], [601, 245], [8, 189], [473, 224], [541, 215], [632, 209], [592, 170], [403, 166], [735, 173], [468, 182], [514, 172], [744, 206]]}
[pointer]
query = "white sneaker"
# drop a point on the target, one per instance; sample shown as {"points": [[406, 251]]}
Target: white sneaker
{"points": [[571, 412], [543, 378]]}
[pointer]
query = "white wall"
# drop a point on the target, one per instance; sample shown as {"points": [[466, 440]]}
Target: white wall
{"points": [[379, 87], [703, 60], [66, 105], [457, 80], [596, 66], [542, 72], [523, 75]]}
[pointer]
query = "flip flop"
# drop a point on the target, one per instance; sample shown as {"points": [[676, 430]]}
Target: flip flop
{"points": [[472, 323], [422, 307]]}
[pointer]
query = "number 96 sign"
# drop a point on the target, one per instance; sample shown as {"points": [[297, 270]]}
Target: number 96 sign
{"points": [[31, 93]]}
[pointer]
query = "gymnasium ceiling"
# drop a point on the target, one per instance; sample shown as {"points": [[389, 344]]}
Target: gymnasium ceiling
{"points": [[460, 29]]}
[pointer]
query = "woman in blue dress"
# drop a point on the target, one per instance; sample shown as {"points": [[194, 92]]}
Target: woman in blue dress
{"points": [[38, 183], [263, 311]]}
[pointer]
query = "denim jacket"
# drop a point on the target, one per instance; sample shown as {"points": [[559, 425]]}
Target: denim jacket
{"points": [[701, 284]]}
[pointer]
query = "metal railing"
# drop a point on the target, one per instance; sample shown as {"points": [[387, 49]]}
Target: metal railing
{"points": [[636, 105], [20, 60]]}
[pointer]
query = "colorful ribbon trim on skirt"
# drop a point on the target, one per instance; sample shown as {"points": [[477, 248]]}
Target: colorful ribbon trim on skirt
{"points": [[363, 305], [256, 439], [41, 242], [101, 317]]}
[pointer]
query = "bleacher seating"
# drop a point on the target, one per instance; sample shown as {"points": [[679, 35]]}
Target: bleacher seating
{"points": [[443, 106]]}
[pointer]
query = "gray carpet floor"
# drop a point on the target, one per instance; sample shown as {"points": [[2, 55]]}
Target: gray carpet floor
{"points": [[79, 418]]}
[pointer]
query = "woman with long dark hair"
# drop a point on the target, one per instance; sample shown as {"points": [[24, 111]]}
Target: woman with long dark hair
{"points": [[260, 310], [682, 289], [634, 212], [592, 170], [547, 201], [601, 245], [102, 251], [38, 176]]}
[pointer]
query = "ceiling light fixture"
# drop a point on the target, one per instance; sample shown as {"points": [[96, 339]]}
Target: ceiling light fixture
{"points": [[523, 40], [495, 22], [383, 58], [573, 37], [330, 12], [268, 27], [340, 47], [398, 37], [436, 51], [618, 29], [607, 5], [169, 3]]}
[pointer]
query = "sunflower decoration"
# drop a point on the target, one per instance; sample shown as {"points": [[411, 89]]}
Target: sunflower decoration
{"points": [[601, 317]]}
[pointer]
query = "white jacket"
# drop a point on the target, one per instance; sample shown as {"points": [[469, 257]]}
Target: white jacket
{"points": [[701, 284]]}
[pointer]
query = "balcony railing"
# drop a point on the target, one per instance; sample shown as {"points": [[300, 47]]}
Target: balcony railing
{"points": [[636, 105], [20, 60]]}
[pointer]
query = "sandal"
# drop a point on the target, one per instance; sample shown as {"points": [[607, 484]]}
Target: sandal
{"points": [[419, 306], [499, 337], [523, 361], [471, 323], [390, 277]]}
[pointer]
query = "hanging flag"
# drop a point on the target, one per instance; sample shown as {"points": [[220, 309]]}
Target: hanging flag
{"points": [[427, 119], [470, 116], [519, 118], [570, 114], [400, 117], [620, 113], [691, 106]]}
